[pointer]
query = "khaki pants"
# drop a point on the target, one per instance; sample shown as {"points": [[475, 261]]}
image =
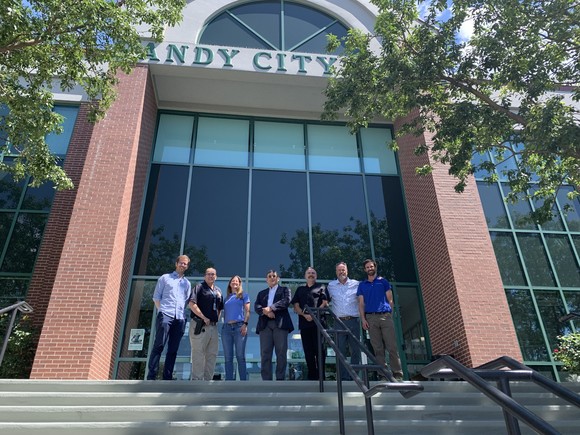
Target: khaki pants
{"points": [[204, 350], [382, 334]]}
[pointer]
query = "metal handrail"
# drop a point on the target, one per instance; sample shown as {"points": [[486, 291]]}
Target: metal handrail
{"points": [[407, 389], [22, 307], [513, 411]]}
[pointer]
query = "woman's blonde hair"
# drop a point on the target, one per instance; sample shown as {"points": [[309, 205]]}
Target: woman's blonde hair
{"points": [[240, 293]]}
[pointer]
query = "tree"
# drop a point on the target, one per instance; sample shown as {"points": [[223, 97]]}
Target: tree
{"points": [[51, 43], [493, 91]]}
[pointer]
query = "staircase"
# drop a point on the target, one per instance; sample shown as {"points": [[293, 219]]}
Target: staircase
{"points": [[31, 407]]}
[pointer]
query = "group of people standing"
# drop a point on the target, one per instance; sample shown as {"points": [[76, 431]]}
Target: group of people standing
{"points": [[368, 303]]}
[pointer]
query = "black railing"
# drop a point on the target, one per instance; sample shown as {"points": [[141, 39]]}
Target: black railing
{"points": [[330, 335], [495, 370], [21, 307]]}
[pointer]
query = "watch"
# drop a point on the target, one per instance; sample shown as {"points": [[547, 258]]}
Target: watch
{"points": [[246, 323]]}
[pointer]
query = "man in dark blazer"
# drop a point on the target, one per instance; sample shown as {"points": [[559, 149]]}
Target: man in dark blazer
{"points": [[274, 325]]}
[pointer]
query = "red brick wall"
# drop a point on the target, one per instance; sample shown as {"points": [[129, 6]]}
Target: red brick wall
{"points": [[93, 255], [466, 307]]}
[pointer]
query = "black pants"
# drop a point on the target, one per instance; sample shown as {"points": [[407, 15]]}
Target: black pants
{"points": [[310, 345]]}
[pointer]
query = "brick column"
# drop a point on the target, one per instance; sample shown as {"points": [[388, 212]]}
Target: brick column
{"points": [[467, 310], [89, 242]]}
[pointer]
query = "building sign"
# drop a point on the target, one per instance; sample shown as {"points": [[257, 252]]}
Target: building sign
{"points": [[241, 59]]}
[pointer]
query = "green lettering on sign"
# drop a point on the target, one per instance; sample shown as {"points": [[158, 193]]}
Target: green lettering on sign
{"points": [[172, 50], [228, 56], [257, 57], [199, 52], [151, 53]]}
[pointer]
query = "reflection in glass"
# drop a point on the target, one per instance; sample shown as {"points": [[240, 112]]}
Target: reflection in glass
{"points": [[173, 144], [536, 260], [573, 305], [378, 158], [141, 310], [571, 208], [477, 159], [259, 25], [24, 243], [217, 220], [390, 231], [58, 143], [332, 148], [12, 290], [162, 224], [279, 145], [505, 162], [222, 142], [564, 260], [5, 224], [279, 224], [556, 223], [227, 31], [39, 198], [519, 211], [507, 259], [303, 23], [10, 191], [527, 326], [551, 309], [411, 323], [493, 205], [339, 224]]}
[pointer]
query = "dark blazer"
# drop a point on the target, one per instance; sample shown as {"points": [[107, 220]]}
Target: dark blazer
{"points": [[280, 307]]}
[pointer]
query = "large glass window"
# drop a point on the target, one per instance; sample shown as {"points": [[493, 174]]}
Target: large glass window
{"points": [[248, 202], [173, 143], [162, 226], [539, 265], [378, 157], [340, 230], [273, 25], [24, 213], [279, 220], [217, 220], [279, 145], [222, 142], [331, 148]]}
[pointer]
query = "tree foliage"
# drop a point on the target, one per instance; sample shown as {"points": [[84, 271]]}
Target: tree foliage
{"points": [[46, 44], [494, 91], [568, 352]]}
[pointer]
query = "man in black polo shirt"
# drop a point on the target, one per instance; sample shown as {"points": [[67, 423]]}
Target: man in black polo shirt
{"points": [[313, 295], [206, 304]]}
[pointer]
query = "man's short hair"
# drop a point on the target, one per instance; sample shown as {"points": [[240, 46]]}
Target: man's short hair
{"points": [[367, 261]]}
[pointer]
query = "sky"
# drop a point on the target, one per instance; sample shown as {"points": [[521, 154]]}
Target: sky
{"points": [[466, 29]]}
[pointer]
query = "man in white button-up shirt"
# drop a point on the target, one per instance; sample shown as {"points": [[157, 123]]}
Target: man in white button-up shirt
{"points": [[344, 304]]}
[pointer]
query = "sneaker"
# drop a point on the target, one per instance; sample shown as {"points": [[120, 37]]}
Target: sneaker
{"points": [[398, 377]]}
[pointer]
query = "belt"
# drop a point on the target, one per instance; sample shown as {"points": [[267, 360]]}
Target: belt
{"points": [[348, 317], [379, 312]]}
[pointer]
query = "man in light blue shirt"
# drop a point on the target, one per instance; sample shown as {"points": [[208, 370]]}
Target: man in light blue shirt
{"points": [[344, 303], [171, 296]]}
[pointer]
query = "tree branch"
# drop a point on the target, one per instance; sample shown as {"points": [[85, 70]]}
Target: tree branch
{"points": [[486, 99]]}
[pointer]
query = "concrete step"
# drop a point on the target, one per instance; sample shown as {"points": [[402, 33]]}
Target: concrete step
{"points": [[219, 407]]}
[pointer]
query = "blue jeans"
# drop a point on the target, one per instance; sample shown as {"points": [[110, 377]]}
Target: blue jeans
{"points": [[232, 339], [168, 332]]}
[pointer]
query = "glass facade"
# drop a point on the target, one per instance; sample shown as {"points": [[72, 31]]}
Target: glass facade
{"points": [[245, 195], [23, 214], [539, 266], [273, 25]]}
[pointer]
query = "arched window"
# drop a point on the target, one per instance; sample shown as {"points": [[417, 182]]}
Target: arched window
{"points": [[273, 25]]}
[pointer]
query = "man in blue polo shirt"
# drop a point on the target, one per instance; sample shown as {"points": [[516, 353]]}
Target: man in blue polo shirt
{"points": [[375, 302]]}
